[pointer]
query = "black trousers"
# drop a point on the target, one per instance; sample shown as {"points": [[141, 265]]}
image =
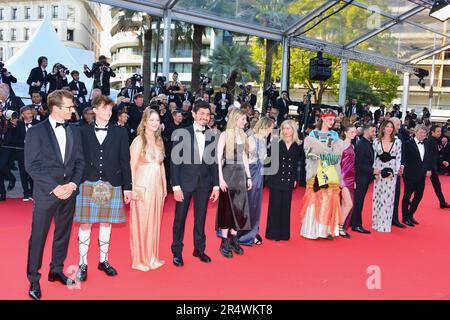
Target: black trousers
{"points": [[415, 188], [437, 187], [25, 179], [201, 198], [43, 213], [362, 185], [396, 200], [5, 172], [279, 215]]}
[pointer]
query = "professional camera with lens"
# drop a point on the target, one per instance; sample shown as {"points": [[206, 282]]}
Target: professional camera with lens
{"points": [[204, 80], [10, 114], [101, 65], [161, 80], [60, 68], [136, 78]]}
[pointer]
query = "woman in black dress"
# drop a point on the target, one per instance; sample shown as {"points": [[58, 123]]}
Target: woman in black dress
{"points": [[283, 182], [235, 180]]}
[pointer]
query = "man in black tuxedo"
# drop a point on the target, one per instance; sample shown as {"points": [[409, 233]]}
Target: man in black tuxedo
{"points": [[37, 80], [107, 156], [364, 174], [249, 97], [223, 101], [102, 72], [78, 89], [23, 125], [416, 159], [444, 154], [39, 107], [122, 121], [8, 78], [283, 105], [9, 101], [175, 122], [135, 112], [354, 108], [380, 112], [54, 160], [130, 89], [436, 162], [186, 95], [194, 174]]}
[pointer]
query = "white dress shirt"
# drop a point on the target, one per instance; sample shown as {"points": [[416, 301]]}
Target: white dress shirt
{"points": [[60, 134], [101, 134], [421, 148]]}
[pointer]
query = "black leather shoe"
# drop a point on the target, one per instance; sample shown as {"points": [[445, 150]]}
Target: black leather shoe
{"points": [[408, 223], [202, 256], [178, 260], [2, 197], [414, 221], [109, 270], [82, 273], [35, 291], [225, 248], [361, 230], [399, 225], [445, 206], [234, 244], [60, 277], [11, 184]]}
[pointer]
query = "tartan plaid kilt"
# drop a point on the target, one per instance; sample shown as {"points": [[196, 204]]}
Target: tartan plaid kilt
{"points": [[87, 211]]}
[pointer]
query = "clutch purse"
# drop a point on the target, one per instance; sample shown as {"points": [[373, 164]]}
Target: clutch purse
{"points": [[139, 192], [385, 172], [326, 174], [102, 193]]}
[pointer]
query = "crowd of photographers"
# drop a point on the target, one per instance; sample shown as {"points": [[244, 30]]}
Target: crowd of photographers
{"points": [[174, 103]]}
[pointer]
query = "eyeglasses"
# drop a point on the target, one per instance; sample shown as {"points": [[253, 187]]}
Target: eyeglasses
{"points": [[71, 107]]}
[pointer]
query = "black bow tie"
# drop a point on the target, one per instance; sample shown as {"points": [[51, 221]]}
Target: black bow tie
{"points": [[101, 129], [420, 142], [201, 131], [63, 124]]}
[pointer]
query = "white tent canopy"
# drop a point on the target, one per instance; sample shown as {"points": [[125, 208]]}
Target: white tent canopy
{"points": [[45, 42]]}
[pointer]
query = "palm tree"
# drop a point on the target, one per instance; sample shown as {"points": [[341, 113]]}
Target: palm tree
{"points": [[141, 24], [233, 63]]}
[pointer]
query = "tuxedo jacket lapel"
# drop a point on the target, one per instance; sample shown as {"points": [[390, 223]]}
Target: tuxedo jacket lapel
{"points": [[69, 144]]}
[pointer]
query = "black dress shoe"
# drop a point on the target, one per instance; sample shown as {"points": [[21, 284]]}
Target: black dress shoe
{"points": [[234, 245], [399, 225], [82, 273], [445, 206], [60, 277], [225, 248], [202, 256], [35, 291], [408, 223], [414, 221], [2, 197], [11, 184], [107, 268], [178, 260], [360, 230]]}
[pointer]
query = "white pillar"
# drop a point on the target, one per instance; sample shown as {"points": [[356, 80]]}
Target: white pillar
{"points": [[285, 65], [343, 83], [166, 42], [406, 77]]}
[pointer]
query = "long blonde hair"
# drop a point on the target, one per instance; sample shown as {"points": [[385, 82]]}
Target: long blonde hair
{"points": [[263, 124], [294, 128], [141, 130], [233, 117]]}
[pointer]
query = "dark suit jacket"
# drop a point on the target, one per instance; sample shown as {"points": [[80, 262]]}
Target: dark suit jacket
{"points": [[21, 131], [105, 87], [378, 114], [56, 82], [359, 111], [35, 76], [13, 103], [43, 160], [193, 173], [82, 91], [436, 161], [415, 169], [364, 158], [135, 114], [283, 106], [288, 164], [187, 96], [8, 81], [115, 158], [217, 98]]}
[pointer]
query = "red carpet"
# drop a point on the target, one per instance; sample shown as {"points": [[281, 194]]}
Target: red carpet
{"points": [[414, 262]]}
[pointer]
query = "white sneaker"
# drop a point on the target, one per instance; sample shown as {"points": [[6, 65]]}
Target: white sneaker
{"points": [[26, 199]]}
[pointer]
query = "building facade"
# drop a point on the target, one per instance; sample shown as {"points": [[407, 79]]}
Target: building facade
{"points": [[77, 23], [126, 54]]}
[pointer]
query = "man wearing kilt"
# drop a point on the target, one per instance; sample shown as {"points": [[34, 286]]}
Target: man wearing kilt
{"points": [[107, 171]]}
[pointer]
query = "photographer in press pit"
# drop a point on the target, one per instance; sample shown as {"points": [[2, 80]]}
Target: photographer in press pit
{"points": [[9, 142], [102, 72], [79, 90], [132, 87], [7, 77], [58, 77], [158, 88], [271, 94]]}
